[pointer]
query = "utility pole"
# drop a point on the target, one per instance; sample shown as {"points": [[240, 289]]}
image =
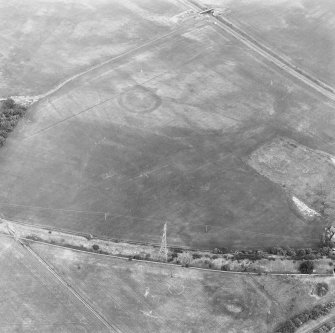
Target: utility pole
{"points": [[13, 233], [163, 251]]}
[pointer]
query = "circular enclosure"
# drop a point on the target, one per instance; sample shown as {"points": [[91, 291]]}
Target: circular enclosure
{"points": [[139, 99]]}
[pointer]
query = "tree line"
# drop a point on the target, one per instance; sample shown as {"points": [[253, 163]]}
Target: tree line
{"points": [[10, 113]]}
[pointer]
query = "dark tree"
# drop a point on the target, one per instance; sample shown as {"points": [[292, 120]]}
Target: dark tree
{"points": [[8, 103], [322, 289], [306, 267]]}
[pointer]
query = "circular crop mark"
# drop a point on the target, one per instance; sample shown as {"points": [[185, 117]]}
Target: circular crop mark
{"points": [[229, 304], [139, 100], [238, 305], [176, 288], [234, 307]]}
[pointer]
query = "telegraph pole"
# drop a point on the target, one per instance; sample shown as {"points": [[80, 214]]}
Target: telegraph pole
{"points": [[163, 251]]}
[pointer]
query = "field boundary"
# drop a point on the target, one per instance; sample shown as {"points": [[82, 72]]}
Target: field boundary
{"points": [[266, 52], [165, 263], [124, 251], [71, 289]]}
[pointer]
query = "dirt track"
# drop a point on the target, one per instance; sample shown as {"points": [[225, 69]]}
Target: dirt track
{"points": [[150, 43], [72, 290]]}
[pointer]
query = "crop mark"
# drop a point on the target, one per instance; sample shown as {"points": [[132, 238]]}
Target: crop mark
{"points": [[101, 102], [176, 289], [144, 174], [268, 234], [120, 56], [139, 99], [70, 289], [52, 209], [149, 314]]}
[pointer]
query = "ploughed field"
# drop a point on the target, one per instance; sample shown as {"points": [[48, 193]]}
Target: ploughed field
{"points": [[300, 30], [147, 297], [167, 133]]}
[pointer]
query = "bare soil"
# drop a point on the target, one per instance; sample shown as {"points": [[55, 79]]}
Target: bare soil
{"points": [[306, 173]]}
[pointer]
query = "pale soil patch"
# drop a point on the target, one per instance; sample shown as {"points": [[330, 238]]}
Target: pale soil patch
{"points": [[307, 173], [23, 100], [233, 308], [304, 208]]}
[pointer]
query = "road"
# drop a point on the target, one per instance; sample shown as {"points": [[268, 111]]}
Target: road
{"points": [[267, 53]]}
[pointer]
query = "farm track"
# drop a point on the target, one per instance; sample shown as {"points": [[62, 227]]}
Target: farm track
{"points": [[87, 109], [267, 53], [130, 52], [71, 290]]}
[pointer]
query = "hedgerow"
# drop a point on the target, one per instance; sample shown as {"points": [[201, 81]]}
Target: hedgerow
{"points": [[295, 322]]}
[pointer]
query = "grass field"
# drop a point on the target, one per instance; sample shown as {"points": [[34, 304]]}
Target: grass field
{"points": [[301, 30], [32, 300], [44, 42], [145, 297], [164, 134]]}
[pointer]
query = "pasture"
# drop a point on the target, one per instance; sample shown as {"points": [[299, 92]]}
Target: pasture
{"points": [[148, 297], [32, 300], [164, 134]]}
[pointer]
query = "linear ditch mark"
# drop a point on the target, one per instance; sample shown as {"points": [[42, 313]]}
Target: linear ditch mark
{"points": [[267, 53], [100, 317], [116, 94], [92, 68], [126, 53]]}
